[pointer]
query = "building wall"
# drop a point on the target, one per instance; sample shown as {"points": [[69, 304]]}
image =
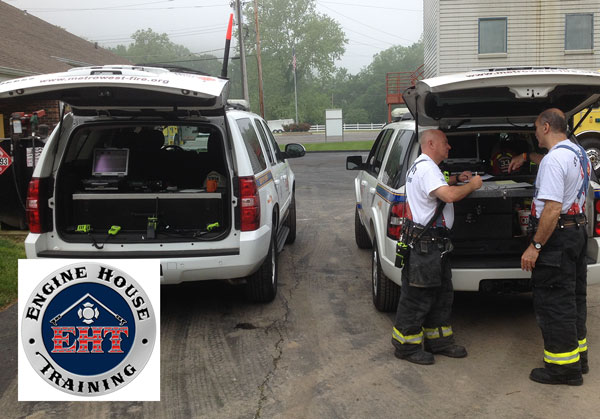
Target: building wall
{"points": [[29, 106], [431, 37], [535, 34]]}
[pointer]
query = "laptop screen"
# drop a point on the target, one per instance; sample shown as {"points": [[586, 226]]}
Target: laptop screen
{"points": [[110, 162]]}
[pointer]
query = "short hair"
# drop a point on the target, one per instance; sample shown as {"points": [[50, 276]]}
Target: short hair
{"points": [[429, 134], [555, 118]]}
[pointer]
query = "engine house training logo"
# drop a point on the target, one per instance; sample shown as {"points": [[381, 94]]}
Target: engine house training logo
{"points": [[88, 329]]}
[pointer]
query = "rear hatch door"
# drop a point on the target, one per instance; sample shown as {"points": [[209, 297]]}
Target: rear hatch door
{"points": [[122, 87], [500, 96]]}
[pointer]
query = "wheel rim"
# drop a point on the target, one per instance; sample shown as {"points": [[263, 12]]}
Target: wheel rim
{"points": [[594, 156], [374, 274]]}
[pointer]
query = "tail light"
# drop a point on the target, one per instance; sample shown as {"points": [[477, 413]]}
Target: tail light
{"points": [[597, 217], [36, 206], [250, 204], [398, 212]]}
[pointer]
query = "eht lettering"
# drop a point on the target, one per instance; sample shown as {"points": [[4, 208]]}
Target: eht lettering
{"points": [[62, 338]]}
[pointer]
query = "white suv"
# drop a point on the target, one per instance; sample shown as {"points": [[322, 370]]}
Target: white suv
{"points": [[116, 178], [488, 117]]}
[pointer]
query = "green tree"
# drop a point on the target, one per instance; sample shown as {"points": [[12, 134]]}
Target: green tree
{"points": [[286, 24], [152, 48]]}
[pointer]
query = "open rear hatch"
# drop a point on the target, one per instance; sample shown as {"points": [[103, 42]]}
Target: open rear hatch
{"points": [[146, 159], [488, 116]]}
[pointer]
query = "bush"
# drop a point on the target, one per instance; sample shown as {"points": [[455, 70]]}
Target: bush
{"points": [[301, 127]]}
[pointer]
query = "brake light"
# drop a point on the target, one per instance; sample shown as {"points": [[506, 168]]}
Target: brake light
{"points": [[597, 217], [250, 204], [35, 207], [398, 212]]}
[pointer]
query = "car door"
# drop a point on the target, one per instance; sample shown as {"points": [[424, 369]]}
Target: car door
{"points": [[368, 183], [281, 166]]}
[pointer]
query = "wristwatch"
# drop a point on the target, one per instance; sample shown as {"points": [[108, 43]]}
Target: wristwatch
{"points": [[536, 245]]}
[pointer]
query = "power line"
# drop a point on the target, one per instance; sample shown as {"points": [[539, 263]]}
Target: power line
{"points": [[123, 8], [370, 6], [370, 27]]}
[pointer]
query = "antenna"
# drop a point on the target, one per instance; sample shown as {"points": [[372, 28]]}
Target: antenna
{"points": [[227, 45]]}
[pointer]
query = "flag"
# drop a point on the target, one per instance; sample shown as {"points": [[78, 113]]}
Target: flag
{"points": [[294, 58]]}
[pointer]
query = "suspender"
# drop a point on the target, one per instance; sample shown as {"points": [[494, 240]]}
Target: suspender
{"points": [[584, 166]]}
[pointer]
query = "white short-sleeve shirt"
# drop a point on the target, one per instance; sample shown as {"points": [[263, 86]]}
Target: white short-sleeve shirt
{"points": [[559, 178], [424, 177]]}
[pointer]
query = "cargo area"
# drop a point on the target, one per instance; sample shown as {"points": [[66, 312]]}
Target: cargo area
{"points": [[134, 182], [491, 224]]}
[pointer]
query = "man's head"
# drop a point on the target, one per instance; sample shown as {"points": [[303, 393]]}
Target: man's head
{"points": [[551, 127], [435, 144]]}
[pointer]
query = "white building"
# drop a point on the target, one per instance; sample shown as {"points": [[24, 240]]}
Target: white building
{"points": [[461, 35]]}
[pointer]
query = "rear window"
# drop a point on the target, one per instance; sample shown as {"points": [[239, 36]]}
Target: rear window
{"points": [[255, 152]]}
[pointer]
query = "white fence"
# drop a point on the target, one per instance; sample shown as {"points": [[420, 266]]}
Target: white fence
{"points": [[349, 127]]}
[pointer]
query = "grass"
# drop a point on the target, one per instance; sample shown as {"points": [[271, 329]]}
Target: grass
{"points": [[337, 146], [11, 250]]}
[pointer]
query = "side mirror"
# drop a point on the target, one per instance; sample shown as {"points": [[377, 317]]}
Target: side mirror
{"points": [[294, 150], [354, 163]]}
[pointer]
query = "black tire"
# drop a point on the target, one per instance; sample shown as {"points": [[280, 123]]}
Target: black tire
{"points": [[360, 233], [291, 221], [386, 293], [592, 148], [261, 286]]}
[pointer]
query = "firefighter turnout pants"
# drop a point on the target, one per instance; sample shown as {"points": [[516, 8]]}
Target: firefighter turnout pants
{"points": [[559, 282], [425, 305]]}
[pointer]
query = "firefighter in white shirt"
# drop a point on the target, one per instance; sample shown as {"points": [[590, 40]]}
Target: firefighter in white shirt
{"points": [[425, 304], [556, 255]]}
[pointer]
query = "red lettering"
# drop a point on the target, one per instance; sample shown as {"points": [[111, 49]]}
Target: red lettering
{"points": [[115, 337], [61, 339], [84, 339]]}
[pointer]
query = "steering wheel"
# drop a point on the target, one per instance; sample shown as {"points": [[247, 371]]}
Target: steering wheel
{"points": [[171, 147]]}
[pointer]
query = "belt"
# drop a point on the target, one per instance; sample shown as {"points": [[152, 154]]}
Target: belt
{"points": [[571, 221]]}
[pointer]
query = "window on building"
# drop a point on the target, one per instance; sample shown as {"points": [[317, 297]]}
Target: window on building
{"points": [[579, 28], [492, 35]]}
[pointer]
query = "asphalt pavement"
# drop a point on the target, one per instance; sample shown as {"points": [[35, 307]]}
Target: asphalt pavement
{"points": [[321, 350]]}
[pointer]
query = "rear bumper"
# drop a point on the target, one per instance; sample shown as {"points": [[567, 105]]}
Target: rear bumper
{"points": [[470, 279], [177, 264]]}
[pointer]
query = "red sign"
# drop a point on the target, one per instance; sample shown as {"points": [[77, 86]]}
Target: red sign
{"points": [[5, 161]]}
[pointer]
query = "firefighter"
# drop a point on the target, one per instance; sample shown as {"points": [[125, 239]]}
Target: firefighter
{"points": [[556, 255], [425, 304]]}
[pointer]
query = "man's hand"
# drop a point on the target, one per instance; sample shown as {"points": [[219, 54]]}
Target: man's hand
{"points": [[516, 163], [464, 176], [529, 258], [476, 182]]}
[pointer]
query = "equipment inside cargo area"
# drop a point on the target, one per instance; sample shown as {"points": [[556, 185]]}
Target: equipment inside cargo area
{"points": [[492, 222], [139, 182]]}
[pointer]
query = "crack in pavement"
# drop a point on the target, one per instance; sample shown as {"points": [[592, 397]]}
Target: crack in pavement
{"points": [[278, 325]]}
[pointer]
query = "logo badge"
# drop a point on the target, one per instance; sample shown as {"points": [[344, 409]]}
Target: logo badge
{"points": [[88, 329]]}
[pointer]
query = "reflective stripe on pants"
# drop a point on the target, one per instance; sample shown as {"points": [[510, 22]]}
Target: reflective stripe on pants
{"points": [[583, 345], [562, 358], [435, 333], [411, 339]]}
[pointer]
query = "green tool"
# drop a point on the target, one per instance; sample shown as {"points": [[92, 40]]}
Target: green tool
{"points": [[83, 228], [114, 230], [211, 227]]}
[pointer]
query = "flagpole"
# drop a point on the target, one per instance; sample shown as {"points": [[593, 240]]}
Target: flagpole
{"points": [[295, 88]]}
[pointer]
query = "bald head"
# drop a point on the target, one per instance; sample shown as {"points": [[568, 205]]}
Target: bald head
{"points": [[435, 144], [556, 120]]}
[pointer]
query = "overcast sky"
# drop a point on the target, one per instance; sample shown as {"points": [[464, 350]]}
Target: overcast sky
{"points": [[370, 26]]}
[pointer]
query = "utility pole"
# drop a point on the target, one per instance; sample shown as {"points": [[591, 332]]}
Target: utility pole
{"points": [[238, 9], [260, 78]]}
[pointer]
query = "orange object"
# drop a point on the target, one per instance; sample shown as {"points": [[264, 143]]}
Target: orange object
{"points": [[211, 185]]}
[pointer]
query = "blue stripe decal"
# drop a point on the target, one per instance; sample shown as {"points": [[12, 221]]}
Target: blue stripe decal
{"points": [[264, 179], [359, 206], [389, 196], [596, 193]]}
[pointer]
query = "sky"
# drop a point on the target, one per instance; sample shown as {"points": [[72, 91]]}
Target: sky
{"points": [[200, 25]]}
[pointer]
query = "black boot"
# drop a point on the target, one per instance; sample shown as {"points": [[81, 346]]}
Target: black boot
{"points": [[452, 351], [418, 357], [542, 375]]}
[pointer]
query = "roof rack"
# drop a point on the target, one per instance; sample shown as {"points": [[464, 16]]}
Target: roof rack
{"points": [[176, 69]]}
